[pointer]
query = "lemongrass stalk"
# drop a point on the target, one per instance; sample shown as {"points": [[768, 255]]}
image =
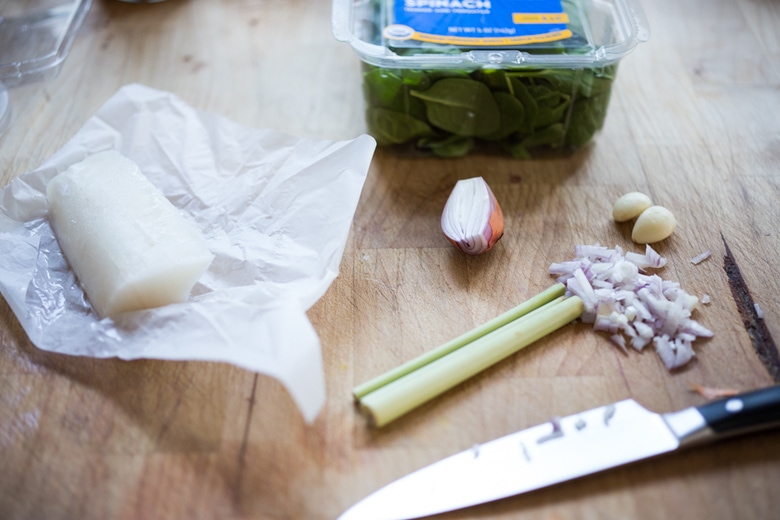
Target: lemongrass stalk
{"points": [[403, 395], [524, 308]]}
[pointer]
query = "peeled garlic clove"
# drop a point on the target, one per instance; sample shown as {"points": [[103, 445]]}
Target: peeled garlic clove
{"points": [[653, 225], [472, 219], [630, 205]]}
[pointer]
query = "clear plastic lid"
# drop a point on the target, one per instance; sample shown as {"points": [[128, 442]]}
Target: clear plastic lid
{"points": [[579, 34], [36, 37], [5, 109]]}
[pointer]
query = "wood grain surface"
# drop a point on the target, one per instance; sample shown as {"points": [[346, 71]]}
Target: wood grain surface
{"points": [[694, 122]]}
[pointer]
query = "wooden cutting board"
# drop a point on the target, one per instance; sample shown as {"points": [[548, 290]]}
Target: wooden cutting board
{"points": [[692, 122]]}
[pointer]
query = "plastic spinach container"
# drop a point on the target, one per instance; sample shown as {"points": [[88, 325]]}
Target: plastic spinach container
{"points": [[525, 76]]}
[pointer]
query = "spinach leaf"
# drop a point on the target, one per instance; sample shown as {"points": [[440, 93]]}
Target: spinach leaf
{"points": [[436, 75], [551, 105], [415, 78], [512, 116], [551, 136], [448, 148], [529, 104], [595, 85], [462, 106], [587, 117], [496, 80], [389, 127], [382, 87], [562, 80]]}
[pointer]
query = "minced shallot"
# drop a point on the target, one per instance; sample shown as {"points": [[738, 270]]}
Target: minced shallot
{"points": [[696, 260], [634, 307]]}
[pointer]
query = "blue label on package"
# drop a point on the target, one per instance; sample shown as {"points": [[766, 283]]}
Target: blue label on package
{"points": [[478, 22]]}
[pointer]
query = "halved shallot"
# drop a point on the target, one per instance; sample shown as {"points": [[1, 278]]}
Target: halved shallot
{"points": [[472, 219]]}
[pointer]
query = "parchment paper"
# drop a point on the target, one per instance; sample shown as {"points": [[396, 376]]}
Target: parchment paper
{"points": [[276, 211]]}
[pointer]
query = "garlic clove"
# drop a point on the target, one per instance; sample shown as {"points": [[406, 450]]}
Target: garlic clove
{"points": [[472, 219], [654, 224], [630, 206]]}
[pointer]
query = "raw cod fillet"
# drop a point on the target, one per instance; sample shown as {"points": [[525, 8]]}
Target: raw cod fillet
{"points": [[129, 247]]}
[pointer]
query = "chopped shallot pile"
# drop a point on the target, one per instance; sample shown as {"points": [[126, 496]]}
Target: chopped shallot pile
{"points": [[635, 307]]}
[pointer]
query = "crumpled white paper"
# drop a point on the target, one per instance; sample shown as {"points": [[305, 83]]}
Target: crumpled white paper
{"points": [[276, 211]]}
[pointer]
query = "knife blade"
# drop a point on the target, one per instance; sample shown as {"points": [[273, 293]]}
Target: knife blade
{"points": [[563, 449]]}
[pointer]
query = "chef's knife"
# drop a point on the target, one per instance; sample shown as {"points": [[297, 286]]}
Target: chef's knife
{"points": [[563, 449]]}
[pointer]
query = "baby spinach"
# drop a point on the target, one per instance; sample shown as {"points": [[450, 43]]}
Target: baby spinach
{"points": [[382, 86], [512, 116], [520, 91], [521, 109], [496, 80], [587, 117], [391, 127], [448, 147], [461, 106]]}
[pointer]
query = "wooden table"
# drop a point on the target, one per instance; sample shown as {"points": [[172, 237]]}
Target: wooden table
{"points": [[693, 122]]}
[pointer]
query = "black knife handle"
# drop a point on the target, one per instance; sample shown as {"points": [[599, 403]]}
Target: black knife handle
{"points": [[751, 410]]}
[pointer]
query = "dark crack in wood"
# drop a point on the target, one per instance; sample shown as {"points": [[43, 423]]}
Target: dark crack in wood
{"points": [[761, 338], [237, 487]]}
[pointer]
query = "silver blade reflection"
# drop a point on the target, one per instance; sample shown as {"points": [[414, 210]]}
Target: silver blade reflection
{"points": [[534, 458]]}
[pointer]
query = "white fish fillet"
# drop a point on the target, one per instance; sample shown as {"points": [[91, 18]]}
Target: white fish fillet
{"points": [[129, 246]]}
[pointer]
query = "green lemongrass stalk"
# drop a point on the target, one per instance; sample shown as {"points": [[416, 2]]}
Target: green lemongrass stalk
{"points": [[404, 394], [509, 316]]}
